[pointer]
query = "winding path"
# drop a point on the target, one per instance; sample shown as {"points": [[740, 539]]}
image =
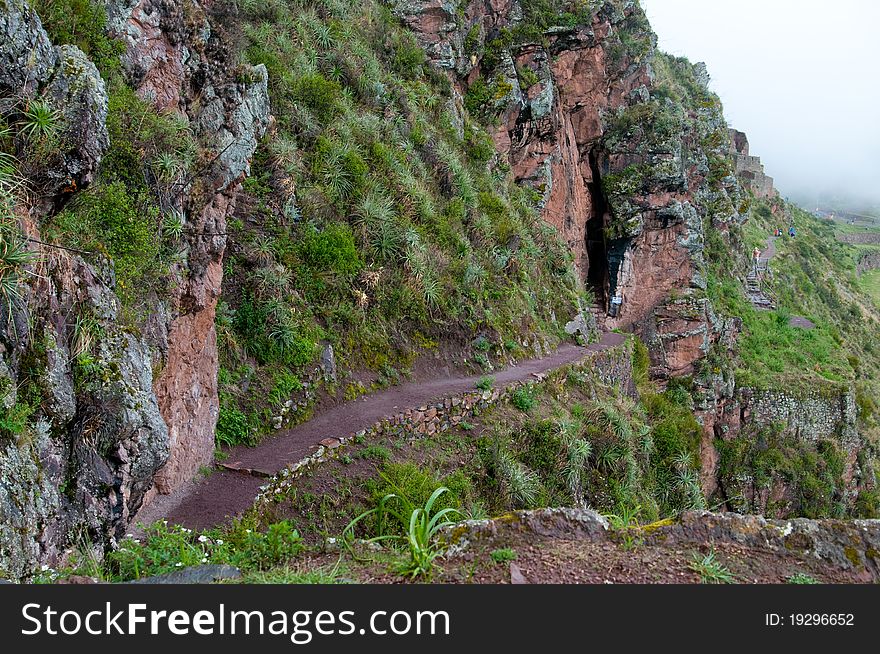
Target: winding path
{"points": [[231, 489], [756, 294]]}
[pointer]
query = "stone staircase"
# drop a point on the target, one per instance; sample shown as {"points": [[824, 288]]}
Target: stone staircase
{"points": [[597, 313], [754, 292]]}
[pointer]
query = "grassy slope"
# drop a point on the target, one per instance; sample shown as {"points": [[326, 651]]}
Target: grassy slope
{"points": [[814, 277], [870, 284], [373, 220]]}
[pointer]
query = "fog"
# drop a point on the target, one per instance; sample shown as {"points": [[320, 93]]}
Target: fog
{"points": [[800, 77]]}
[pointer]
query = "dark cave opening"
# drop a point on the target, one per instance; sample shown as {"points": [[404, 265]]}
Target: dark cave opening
{"points": [[597, 246]]}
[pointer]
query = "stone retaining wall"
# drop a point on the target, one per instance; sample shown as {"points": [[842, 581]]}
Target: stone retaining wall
{"points": [[812, 417], [868, 238], [869, 261], [611, 367]]}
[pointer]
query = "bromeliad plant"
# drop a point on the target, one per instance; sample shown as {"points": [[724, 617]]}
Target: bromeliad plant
{"points": [[424, 524]]}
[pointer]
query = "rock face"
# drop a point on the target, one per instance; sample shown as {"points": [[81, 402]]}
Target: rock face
{"points": [[868, 261], [80, 467], [822, 422], [622, 175], [30, 66], [177, 57], [870, 238], [630, 158], [97, 441]]}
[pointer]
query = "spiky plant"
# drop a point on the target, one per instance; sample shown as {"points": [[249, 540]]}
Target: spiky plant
{"points": [[263, 249], [711, 570], [335, 174], [14, 256], [277, 310], [40, 121], [324, 37], [283, 335], [431, 291], [577, 457], [521, 485], [474, 275], [173, 225], [167, 167]]}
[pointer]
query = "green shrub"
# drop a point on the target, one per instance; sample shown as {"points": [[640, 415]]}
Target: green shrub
{"points": [[802, 579], [503, 555], [168, 548], [13, 421], [524, 398], [81, 23], [319, 94], [125, 224], [233, 428], [332, 249], [485, 383], [375, 453], [412, 487]]}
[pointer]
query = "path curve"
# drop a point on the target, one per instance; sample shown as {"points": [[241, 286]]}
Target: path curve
{"points": [[759, 298], [226, 493]]}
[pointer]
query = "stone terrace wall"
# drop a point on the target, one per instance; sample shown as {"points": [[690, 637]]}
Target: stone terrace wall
{"points": [[812, 417], [869, 261], [868, 238], [611, 367]]}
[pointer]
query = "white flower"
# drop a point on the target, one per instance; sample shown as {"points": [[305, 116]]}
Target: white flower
{"points": [[45, 567], [219, 542], [203, 538], [204, 560], [247, 531], [178, 564]]}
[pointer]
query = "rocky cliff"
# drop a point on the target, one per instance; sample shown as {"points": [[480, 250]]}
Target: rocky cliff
{"points": [[107, 407], [593, 119], [632, 162]]}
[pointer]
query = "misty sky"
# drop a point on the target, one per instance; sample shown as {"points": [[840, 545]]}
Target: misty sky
{"points": [[800, 77]]}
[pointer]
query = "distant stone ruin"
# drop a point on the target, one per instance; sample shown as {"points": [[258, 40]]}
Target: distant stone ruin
{"points": [[749, 169]]}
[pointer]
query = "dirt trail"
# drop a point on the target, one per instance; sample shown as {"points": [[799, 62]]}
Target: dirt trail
{"points": [[756, 294], [225, 493]]}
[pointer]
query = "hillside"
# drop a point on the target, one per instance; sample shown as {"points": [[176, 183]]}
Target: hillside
{"points": [[304, 248]]}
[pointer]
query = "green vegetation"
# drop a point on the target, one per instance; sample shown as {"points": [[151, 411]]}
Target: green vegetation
{"points": [[166, 549], [129, 213], [870, 285], [14, 253], [812, 473], [423, 524], [523, 398], [711, 570], [802, 579], [372, 223], [809, 279], [504, 555], [81, 23], [485, 383]]}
